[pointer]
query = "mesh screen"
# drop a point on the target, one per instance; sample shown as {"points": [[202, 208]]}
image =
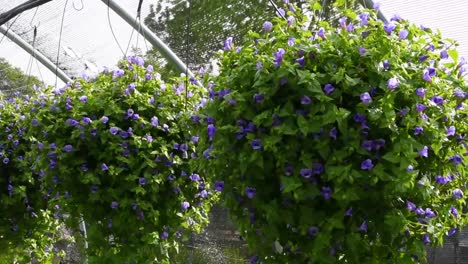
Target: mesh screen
{"points": [[86, 40]]}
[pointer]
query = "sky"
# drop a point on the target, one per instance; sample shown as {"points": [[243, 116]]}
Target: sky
{"points": [[87, 37]]}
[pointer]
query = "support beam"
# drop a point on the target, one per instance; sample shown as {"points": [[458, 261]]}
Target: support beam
{"points": [[35, 53], [150, 36], [4, 17]]}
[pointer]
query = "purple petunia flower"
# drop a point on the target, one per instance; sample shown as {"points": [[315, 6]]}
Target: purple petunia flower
{"points": [[419, 211], [366, 98], [164, 235], [154, 121], [279, 55], [452, 231], [364, 18], [424, 152], [219, 186], [117, 73], [456, 159], [454, 211], [430, 213], [450, 131], [363, 227], [72, 122], [321, 33], [250, 192], [104, 167], [333, 133], [313, 230], [392, 83], [460, 94], [425, 239], [142, 181], [211, 130], [203, 194], [306, 173], [258, 98], [386, 65], [428, 74], [228, 44], [68, 148], [342, 22], [403, 34], [441, 180], [301, 61], [123, 134], [195, 177], [378, 144], [256, 144], [367, 165], [349, 212], [290, 20], [457, 194], [444, 54], [87, 120], [84, 99], [305, 100], [389, 27], [410, 206], [421, 92], [359, 118], [259, 65], [362, 50], [326, 192], [328, 89], [317, 168], [114, 205], [114, 130], [418, 130], [420, 107], [267, 26], [423, 58], [367, 145], [376, 5], [438, 100], [184, 206], [104, 119]]}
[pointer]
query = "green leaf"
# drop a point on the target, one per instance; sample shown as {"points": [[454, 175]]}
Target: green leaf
{"points": [[392, 157], [453, 54], [317, 6], [290, 184]]}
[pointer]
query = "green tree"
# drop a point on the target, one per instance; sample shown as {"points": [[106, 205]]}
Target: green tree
{"points": [[212, 21], [13, 79]]}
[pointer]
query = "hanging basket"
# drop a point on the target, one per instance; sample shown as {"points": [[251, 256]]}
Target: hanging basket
{"points": [[339, 144]]}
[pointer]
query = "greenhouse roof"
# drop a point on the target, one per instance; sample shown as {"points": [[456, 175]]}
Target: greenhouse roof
{"points": [[94, 36]]}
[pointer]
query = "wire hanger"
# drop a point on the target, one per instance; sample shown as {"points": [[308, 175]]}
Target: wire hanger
{"points": [[187, 50]]}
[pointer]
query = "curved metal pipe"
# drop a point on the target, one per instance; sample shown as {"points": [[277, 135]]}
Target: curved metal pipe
{"points": [[35, 53]]}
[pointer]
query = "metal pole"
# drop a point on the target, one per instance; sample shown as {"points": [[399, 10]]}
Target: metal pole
{"points": [[150, 36], [35, 53], [85, 236]]}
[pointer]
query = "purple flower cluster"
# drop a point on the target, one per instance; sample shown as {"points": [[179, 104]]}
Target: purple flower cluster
{"points": [[370, 145]]}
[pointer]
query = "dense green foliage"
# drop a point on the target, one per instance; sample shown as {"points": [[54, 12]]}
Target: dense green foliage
{"points": [[115, 153], [342, 144]]}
